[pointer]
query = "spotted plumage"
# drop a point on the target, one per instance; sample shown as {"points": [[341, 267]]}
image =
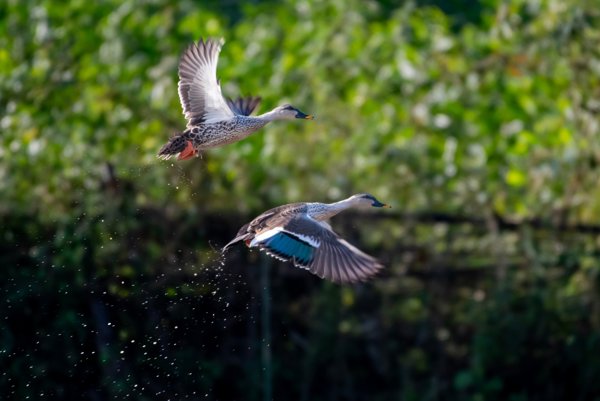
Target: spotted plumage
{"points": [[213, 120], [298, 233]]}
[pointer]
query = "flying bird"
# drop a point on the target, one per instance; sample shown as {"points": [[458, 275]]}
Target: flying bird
{"points": [[297, 232], [213, 120]]}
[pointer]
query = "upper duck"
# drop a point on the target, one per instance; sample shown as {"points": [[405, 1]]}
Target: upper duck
{"points": [[298, 232], [212, 119]]}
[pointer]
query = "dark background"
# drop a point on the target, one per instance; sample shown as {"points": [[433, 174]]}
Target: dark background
{"points": [[477, 121]]}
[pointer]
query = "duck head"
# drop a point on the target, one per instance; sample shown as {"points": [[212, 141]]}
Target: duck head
{"points": [[289, 112], [367, 200]]}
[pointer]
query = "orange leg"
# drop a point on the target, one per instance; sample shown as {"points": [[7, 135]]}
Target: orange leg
{"points": [[188, 152]]}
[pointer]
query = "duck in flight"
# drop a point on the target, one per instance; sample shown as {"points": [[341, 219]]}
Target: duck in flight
{"points": [[213, 120], [297, 232]]}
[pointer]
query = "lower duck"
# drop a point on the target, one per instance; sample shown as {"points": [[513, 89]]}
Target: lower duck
{"points": [[297, 232]]}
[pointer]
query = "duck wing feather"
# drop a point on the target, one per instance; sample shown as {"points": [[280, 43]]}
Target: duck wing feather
{"points": [[243, 106], [199, 90]]}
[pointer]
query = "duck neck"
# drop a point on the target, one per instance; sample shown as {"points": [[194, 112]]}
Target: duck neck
{"points": [[324, 211]]}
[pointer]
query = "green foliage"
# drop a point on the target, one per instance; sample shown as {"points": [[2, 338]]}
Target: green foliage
{"points": [[111, 289], [496, 116]]}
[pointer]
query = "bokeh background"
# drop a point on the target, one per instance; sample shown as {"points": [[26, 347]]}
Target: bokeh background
{"points": [[477, 121]]}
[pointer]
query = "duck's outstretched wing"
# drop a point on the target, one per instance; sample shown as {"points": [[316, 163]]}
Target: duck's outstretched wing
{"points": [[199, 89], [311, 245], [243, 106]]}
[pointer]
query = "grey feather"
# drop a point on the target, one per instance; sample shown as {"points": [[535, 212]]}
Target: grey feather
{"points": [[199, 89], [243, 106]]}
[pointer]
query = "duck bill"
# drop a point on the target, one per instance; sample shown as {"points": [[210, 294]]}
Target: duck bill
{"points": [[304, 116], [379, 204]]}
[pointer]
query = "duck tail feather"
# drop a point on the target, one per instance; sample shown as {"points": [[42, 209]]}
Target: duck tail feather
{"points": [[176, 144], [243, 237]]}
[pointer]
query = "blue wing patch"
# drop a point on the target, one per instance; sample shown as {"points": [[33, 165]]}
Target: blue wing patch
{"points": [[288, 246]]}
